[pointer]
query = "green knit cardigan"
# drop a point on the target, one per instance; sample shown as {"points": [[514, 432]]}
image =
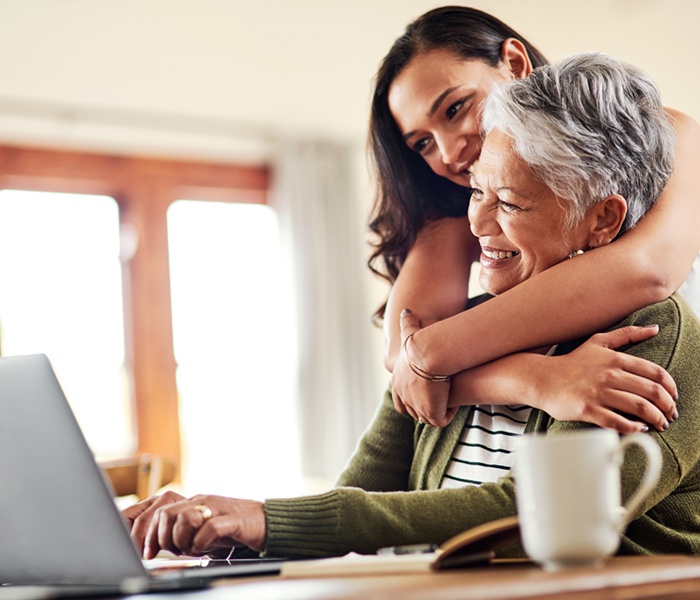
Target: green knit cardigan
{"points": [[389, 492]]}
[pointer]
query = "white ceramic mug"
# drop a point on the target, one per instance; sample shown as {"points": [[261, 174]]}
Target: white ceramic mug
{"points": [[568, 494]]}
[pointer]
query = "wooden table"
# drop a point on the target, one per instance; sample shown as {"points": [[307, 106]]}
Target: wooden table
{"points": [[669, 577], [622, 578]]}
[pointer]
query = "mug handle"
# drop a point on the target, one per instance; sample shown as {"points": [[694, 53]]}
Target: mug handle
{"points": [[651, 475]]}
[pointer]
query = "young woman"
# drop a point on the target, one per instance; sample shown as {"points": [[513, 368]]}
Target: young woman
{"points": [[425, 135]]}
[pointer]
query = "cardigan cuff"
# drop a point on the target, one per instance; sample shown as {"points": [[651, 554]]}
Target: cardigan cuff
{"points": [[306, 526]]}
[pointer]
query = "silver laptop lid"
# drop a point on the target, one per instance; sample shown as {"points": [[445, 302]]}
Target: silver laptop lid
{"points": [[58, 521]]}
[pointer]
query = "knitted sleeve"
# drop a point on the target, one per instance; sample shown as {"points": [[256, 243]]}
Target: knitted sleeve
{"points": [[382, 460], [353, 520]]}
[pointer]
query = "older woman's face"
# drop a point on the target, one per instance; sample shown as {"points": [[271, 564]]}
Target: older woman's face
{"points": [[435, 102], [518, 220]]}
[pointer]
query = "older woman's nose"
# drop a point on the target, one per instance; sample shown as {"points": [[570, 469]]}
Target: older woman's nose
{"points": [[482, 220]]}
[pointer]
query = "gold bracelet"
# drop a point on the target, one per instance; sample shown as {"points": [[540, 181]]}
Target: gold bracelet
{"points": [[417, 370]]}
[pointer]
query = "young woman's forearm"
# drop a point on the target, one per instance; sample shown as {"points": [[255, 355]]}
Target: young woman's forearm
{"points": [[433, 281], [595, 383], [566, 302], [588, 293], [503, 381]]}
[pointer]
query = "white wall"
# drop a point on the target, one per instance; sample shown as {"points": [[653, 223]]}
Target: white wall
{"points": [[234, 74]]}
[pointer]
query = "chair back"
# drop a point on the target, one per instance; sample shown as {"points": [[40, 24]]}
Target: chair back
{"points": [[141, 475]]}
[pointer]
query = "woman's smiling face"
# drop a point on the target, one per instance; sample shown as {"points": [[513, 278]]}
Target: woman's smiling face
{"points": [[435, 102], [520, 222]]}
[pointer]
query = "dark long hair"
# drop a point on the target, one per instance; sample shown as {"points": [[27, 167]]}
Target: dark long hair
{"points": [[408, 192]]}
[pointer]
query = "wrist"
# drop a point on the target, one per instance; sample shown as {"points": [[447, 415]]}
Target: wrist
{"points": [[415, 365], [424, 353], [532, 382], [261, 527]]}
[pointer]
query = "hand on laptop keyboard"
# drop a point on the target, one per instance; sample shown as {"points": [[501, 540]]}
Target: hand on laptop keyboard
{"points": [[195, 526]]}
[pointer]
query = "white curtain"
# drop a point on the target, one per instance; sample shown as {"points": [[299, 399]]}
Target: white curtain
{"points": [[315, 194]]}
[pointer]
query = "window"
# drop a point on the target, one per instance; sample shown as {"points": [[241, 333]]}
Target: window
{"points": [[60, 295], [116, 359], [233, 325]]}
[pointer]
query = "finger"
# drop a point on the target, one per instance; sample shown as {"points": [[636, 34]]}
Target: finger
{"points": [[208, 536], [432, 418], [142, 523], [642, 377], [436, 415], [446, 419], [450, 414], [411, 411], [631, 334], [409, 323], [661, 403], [183, 531], [138, 534], [223, 530], [150, 543], [167, 522], [158, 511], [440, 422], [609, 419], [399, 405], [650, 381], [629, 404], [132, 513], [396, 399]]}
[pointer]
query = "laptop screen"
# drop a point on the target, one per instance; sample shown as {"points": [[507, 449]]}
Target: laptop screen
{"points": [[58, 520]]}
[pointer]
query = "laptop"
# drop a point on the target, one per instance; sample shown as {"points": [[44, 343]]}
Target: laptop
{"points": [[59, 525]]}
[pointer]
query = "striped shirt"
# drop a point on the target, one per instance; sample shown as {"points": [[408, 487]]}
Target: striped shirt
{"points": [[484, 452]]}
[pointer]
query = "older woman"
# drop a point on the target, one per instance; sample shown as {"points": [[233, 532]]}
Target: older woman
{"points": [[561, 172]]}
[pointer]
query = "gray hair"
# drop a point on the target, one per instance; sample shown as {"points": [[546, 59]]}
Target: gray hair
{"points": [[589, 126]]}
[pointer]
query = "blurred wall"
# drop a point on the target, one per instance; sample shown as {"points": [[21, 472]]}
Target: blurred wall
{"points": [[224, 77]]}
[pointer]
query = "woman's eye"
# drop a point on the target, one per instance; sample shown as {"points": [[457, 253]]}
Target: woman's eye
{"points": [[506, 206], [454, 109], [477, 194], [421, 145]]}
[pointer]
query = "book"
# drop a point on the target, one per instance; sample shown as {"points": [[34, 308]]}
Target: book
{"points": [[475, 546]]}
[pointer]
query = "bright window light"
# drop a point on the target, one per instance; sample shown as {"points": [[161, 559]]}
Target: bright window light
{"points": [[61, 295], [234, 336]]}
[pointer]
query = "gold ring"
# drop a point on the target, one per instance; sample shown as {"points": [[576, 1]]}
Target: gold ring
{"points": [[205, 511]]}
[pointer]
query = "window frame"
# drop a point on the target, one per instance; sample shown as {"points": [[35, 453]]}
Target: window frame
{"points": [[143, 188]]}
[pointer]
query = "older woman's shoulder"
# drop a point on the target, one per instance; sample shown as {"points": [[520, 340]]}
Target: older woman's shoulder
{"points": [[678, 341], [673, 310]]}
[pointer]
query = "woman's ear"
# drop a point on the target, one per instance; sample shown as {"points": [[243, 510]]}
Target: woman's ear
{"points": [[514, 55], [606, 219]]}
